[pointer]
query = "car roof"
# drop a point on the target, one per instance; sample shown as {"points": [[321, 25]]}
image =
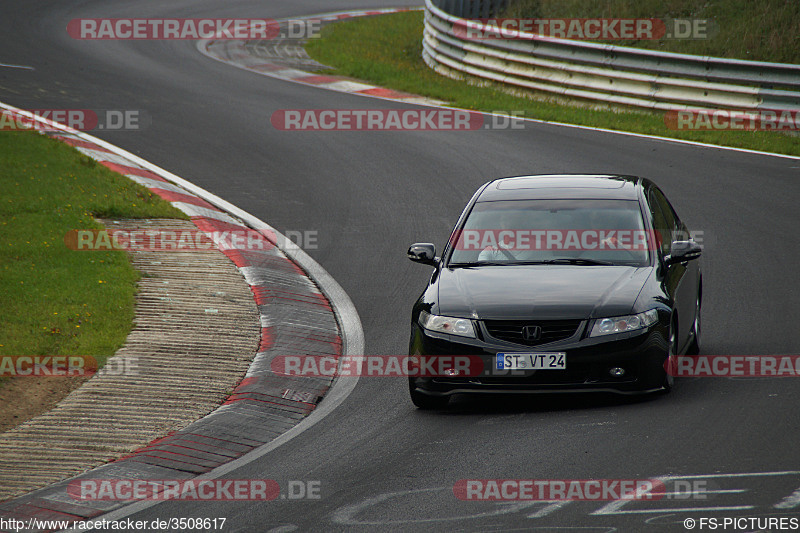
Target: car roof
{"points": [[562, 186]]}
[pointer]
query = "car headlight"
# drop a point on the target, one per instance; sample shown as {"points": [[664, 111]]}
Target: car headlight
{"points": [[621, 324], [445, 324]]}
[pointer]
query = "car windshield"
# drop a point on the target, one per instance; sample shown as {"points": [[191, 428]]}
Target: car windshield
{"points": [[586, 232]]}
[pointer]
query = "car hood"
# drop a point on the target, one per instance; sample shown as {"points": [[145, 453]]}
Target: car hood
{"points": [[539, 291]]}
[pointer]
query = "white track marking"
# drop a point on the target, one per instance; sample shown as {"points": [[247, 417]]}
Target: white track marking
{"points": [[346, 515], [789, 502], [24, 67], [614, 508]]}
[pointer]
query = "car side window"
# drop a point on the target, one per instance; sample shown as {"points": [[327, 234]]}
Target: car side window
{"points": [[663, 224], [667, 209]]}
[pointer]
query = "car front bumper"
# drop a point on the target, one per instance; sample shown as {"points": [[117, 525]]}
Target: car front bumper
{"points": [[589, 360]]}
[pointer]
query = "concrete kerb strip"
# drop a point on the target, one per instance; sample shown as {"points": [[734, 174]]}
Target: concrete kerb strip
{"points": [[230, 430], [235, 53], [195, 332]]}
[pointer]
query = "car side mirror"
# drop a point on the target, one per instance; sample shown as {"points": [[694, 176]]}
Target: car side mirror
{"points": [[683, 251], [423, 252]]}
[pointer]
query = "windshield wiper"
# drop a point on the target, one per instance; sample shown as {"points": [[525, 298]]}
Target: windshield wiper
{"points": [[481, 263], [577, 261], [501, 263], [559, 261]]}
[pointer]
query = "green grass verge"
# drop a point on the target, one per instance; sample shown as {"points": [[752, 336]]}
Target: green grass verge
{"points": [[57, 301], [761, 30], [387, 50]]}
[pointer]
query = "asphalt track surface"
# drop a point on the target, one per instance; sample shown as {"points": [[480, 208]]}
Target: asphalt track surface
{"points": [[381, 464]]}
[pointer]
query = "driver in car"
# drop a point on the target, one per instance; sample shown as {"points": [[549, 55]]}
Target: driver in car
{"points": [[505, 244]]}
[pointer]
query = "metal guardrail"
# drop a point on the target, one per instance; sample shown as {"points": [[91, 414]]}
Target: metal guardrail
{"points": [[471, 8], [611, 74]]}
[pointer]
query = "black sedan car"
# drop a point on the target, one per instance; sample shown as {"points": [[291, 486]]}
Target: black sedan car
{"points": [[559, 283]]}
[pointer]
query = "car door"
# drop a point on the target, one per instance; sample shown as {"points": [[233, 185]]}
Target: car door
{"points": [[679, 279]]}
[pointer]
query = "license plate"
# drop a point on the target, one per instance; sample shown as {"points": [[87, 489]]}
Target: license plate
{"points": [[531, 361]]}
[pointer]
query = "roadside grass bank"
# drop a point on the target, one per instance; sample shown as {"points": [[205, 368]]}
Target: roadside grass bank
{"points": [[387, 50], [757, 30], [54, 300]]}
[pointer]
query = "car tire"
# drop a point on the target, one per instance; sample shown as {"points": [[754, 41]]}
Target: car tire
{"points": [[694, 346], [658, 376], [425, 401], [669, 379]]}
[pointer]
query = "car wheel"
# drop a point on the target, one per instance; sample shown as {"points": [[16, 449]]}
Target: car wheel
{"points": [[425, 401], [669, 379], [694, 347]]}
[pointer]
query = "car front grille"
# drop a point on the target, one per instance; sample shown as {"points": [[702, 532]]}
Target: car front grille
{"points": [[550, 330]]}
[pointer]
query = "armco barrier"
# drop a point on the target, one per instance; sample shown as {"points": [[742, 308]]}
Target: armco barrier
{"points": [[616, 75]]}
